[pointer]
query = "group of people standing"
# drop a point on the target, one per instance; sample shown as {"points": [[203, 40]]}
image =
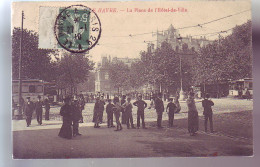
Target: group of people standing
{"points": [[115, 109], [72, 113], [29, 107]]}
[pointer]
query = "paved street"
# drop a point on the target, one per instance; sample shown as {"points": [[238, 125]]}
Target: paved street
{"points": [[232, 123]]}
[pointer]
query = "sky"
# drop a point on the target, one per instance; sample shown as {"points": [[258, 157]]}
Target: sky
{"points": [[116, 27]]}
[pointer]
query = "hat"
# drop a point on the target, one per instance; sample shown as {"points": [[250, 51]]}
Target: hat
{"points": [[39, 96], [28, 97]]}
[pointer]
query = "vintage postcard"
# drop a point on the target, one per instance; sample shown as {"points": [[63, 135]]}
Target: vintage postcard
{"points": [[131, 79]]}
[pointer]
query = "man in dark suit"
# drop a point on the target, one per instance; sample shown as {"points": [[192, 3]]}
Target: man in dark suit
{"points": [[141, 105], [207, 104], [38, 109], [76, 116], [28, 110], [159, 107]]}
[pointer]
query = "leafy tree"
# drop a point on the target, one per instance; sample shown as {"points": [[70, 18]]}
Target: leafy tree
{"points": [[119, 74], [136, 75], [36, 63], [73, 69], [229, 58]]}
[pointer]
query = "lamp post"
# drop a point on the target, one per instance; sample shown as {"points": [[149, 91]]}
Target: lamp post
{"points": [[182, 96], [20, 116]]}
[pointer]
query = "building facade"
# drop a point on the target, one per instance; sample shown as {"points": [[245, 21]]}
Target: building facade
{"points": [[173, 37], [102, 78]]}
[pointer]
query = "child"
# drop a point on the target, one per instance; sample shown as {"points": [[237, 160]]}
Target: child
{"points": [[128, 111], [172, 108], [117, 109], [109, 111]]}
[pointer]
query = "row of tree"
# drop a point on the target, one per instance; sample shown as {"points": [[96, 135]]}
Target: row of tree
{"points": [[66, 70], [228, 58]]}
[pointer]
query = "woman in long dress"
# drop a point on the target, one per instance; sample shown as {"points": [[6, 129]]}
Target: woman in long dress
{"points": [[66, 113], [193, 118]]}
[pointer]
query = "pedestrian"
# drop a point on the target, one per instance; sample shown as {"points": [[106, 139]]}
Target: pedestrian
{"points": [[159, 107], [47, 108], [38, 109], [91, 97], [66, 113], [81, 103], [108, 97], [96, 114], [177, 104], [28, 108], [117, 109], [123, 118], [248, 94], [101, 108], [193, 118], [141, 105], [109, 111], [128, 112], [207, 104], [171, 107], [76, 116]]}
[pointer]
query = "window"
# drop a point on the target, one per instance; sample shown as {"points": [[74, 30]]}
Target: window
{"points": [[106, 76], [31, 89]]}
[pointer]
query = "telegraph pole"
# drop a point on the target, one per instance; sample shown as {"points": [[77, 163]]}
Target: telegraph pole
{"points": [[20, 72]]}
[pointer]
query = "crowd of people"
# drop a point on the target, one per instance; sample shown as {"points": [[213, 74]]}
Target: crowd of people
{"points": [[121, 110], [29, 107]]}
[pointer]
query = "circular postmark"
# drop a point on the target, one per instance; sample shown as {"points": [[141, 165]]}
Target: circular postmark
{"points": [[77, 28]]}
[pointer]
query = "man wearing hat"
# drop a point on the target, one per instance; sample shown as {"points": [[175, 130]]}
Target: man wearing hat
{"points": [[38, 109], [159, 107], [28, 110], [76, 115], [141, 105]]}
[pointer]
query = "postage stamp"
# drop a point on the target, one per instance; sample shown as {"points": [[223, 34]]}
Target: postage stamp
{"points": [[77, 28]]}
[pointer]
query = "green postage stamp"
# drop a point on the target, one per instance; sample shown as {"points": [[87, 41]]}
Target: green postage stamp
{"points": [[77, 28]]}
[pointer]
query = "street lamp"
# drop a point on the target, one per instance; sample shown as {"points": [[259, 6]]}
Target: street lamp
{"points": [[182, 97]]}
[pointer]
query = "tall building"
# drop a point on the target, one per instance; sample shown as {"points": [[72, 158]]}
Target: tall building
{"points": [[102, 78], [173, 37]]}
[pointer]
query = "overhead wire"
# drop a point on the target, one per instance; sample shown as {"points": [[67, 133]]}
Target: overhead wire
{"points": [[181, 28]]}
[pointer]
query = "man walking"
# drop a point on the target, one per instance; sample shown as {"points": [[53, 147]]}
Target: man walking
{"points": [[76, 116], [47, 108], [38, 109], [141, 105], [159, 107], [207, 104], [28, 110]]}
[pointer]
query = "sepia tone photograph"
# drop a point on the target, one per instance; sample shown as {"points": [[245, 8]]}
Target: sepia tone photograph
{"points": [[132, 79]]}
